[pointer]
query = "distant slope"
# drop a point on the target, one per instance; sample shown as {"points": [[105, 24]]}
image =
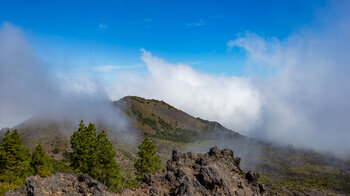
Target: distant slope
{"points": [[160, 120]]}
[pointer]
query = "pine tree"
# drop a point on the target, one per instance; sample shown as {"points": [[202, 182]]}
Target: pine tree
{"points": [[14, 160], [41, 162], [84, 144], [94, 154], [148, 160], [108, 171]]}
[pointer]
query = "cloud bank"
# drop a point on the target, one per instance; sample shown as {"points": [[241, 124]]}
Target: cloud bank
{"points": [[306, 102], [23, 84], [232, 101], [28, 90]]}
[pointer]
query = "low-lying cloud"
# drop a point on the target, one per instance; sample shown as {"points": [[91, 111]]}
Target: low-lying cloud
{"points": [[23, 84], [29, 90], [306, 102]]}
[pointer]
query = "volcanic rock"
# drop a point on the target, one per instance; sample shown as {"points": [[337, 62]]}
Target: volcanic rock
{"points": [[62, 184], [214, 173]]}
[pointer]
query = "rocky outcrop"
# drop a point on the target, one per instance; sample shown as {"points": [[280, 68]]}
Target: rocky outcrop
{"points": [[214, 173], [62, 184]]}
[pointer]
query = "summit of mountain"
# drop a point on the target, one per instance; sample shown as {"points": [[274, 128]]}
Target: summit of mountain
{"points": [[160, 120]]}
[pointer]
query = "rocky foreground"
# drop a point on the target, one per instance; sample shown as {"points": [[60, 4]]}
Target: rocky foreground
{"points": [[62, 184], [214, 173]]}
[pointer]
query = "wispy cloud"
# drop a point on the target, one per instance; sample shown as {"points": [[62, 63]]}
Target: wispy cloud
{"points": [[102, 26], [216, 17], [108, 68], [196, 24], [203, 22], [194, 63], [148, 22]]}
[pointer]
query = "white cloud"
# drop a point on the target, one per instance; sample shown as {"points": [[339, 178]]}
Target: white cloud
{"points": [[232, 101], [194, 63], [27, 90], [108, 68], [306, 102], [20, 71], [266, 52]]}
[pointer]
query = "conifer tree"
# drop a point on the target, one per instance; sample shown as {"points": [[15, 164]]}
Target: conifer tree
{"points": [[84, 144], [41, 162], [148, 160], [14, 160], [108, 171], [94, 154]]}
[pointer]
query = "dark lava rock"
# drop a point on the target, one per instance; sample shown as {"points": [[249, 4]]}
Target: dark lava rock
{"points": [[62, 184], [214, 173]]}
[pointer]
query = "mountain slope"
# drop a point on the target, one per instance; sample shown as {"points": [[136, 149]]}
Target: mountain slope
{"points": [[160, 120]]}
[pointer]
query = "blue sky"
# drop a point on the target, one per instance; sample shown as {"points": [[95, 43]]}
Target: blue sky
{"points": [[93, 33]]}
